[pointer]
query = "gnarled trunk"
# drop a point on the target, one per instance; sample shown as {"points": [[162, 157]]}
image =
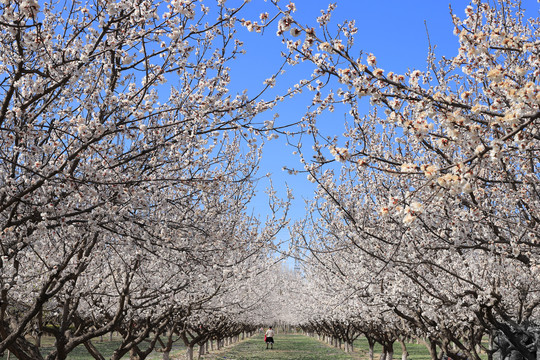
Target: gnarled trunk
{"points": [[189, 352], [371, 351]]}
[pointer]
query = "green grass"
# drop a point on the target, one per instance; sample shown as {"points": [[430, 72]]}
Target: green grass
{"points": [[300, 347], [105, 347], [287, 347], [416, 351]]}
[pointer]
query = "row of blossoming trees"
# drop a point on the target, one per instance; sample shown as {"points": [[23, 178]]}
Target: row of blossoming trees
{"points": [[125, 169], [426, 218]]}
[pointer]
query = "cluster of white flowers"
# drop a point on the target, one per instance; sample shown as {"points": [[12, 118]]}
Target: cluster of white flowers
{"points": [[409, 167], [184, 7], [284, 25], [339, 153]]}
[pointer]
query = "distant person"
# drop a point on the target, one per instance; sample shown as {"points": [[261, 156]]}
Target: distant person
{"points": [[269, 337]]}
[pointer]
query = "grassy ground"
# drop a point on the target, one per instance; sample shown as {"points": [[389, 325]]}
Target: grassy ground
{"points": [[287, 347], [416, 351], [300, 347], [105, 347]]}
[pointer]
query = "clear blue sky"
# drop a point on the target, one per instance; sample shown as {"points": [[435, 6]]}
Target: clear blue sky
{"points": [[393, 30]]}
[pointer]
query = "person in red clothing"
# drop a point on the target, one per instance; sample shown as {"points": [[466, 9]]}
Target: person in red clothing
{"points": [[269, 338]]}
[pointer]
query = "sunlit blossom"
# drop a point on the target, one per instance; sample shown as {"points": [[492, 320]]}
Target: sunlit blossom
{"points": [[371, 60], [495, 74], [340, 154], [408, 167], [408, 218], [324, 46]]}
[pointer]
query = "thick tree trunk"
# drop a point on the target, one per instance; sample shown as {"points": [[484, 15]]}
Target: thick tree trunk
{"points": [[387, 353], [390, 352], [189, 353], [432, 350], [133, 354], [202, 350], [24, 350], [371, 351]]}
